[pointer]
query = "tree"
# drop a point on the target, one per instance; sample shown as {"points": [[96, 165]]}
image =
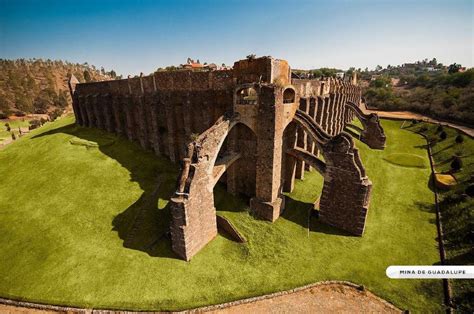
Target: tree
{"points": [[456, 164], [459, 139], [443, 135], [24, 103], [454, 68], [378, 68], [87, 76]]}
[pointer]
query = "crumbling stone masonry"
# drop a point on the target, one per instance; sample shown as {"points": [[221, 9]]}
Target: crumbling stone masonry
{"points": [[253, 128]]}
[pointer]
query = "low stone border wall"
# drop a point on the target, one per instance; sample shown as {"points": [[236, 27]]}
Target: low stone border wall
{"points": [[216, 307]]}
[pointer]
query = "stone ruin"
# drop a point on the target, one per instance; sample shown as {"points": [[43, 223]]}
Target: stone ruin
{"points": [[253, 128]]}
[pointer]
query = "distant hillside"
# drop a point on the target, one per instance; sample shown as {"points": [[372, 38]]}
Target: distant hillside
{"points": [[40, 86], [427, 87]]}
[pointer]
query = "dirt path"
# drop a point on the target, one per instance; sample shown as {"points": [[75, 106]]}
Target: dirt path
{"points": [[320, 298], [408, 115]]}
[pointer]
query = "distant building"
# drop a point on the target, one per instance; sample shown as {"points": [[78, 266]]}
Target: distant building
{"points": [[196, 65], [340, 74], [192, 65]]}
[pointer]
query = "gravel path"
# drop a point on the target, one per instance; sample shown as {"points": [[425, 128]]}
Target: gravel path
{"points": [[408, 115], [320, 298]]}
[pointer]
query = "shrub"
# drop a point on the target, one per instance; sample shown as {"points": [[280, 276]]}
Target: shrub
{"points": [[414, 121], [55, 114], [423, 129], [34, 124], [456, 164], [440, 128], [13, 136], [470, 190], [443, 135], [459, 139], [43, 121], [7, 125]]}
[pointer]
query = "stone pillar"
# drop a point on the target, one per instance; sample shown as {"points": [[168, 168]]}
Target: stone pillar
{"points": [[155, 136], [96, 105], [129, 119], [141, 122], [89, 110], [170, 117], [290, 161], [117, 113], [77, 110], [107, 111], [346, 192], [81, 102], [268, 201]]}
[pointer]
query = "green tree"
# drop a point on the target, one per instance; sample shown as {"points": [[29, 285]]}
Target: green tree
{"points": [[454, 68]]}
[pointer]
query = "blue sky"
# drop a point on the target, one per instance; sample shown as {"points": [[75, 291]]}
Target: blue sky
{"points": [[140, 36]]}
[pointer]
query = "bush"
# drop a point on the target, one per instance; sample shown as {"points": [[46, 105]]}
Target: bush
{"points": [[414, 121], [443, 135], [459, 139], [440, 128], [43, 121], [34, 124], [470, 190], [13, 136], [7, 125], [55, 114], [456, 164]]}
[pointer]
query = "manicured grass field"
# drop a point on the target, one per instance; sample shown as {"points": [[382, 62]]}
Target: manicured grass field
{"points": [[83, 226]]}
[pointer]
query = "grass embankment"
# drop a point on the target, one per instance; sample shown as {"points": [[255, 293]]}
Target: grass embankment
{"points": [[83, 226], [457, 208]]}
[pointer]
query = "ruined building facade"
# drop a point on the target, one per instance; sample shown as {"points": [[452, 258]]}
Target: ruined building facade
{"points": [[252, 128]]}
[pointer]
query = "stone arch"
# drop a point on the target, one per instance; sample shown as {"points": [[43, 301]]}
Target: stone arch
{"points": [[240, 176], [193, 222], [246, 95], [372, 133], [289, 95], [346, 191]]}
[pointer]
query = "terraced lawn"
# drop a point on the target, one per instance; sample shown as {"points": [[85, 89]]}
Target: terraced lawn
{"points": [[84, 226]]}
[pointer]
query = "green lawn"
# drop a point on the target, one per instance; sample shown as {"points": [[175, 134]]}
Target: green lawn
{"points": [[83, 225]]}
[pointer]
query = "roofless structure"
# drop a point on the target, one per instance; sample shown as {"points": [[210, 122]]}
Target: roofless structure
{"points": [[253, 128]]}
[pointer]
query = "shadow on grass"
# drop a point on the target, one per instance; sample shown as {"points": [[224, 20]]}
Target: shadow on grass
{"points": [[305, 215], [442, 150], [142, 226], [426, 207]]}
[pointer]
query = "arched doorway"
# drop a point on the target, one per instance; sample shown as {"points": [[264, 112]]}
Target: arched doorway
{"points": [[239, 178]]}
